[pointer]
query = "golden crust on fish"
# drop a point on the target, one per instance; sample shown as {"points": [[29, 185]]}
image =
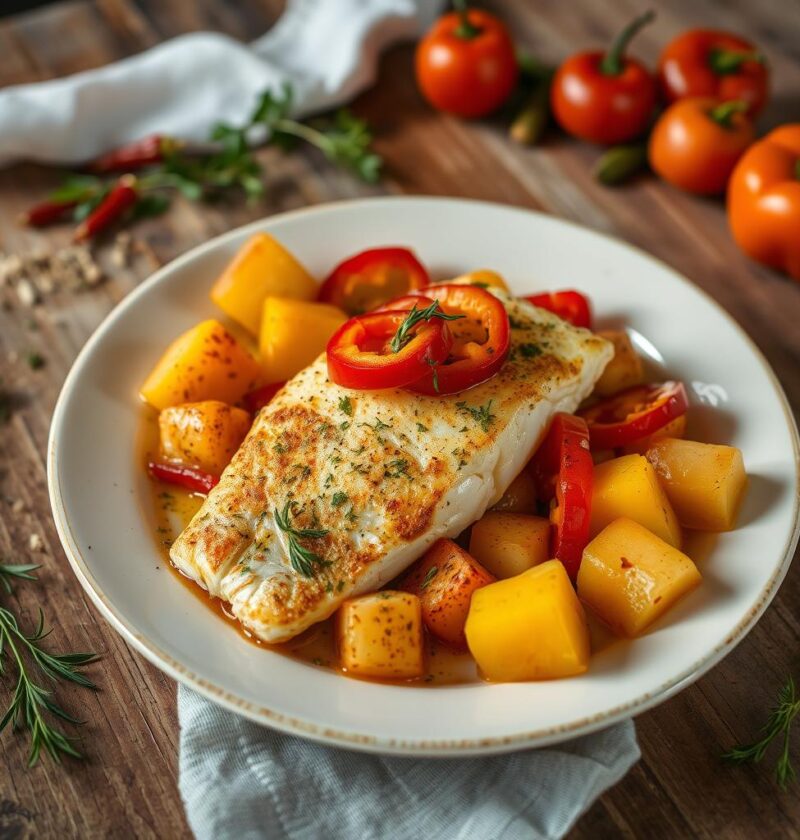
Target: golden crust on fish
{"points": [[376, 476]]}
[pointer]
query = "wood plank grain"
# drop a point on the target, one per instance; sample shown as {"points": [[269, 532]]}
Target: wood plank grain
{"points": [[127, 787]]}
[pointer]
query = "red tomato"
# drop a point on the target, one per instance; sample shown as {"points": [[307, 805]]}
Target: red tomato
{"points": [[257, 399], [605, 98], [569, 305], [466, 63], [697, 142], [706, 62], [190, 478], [370, 278], [481, 339], [370, 352], [634, 413], [563, 470]]}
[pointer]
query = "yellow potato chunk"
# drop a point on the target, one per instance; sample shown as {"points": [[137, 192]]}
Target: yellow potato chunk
{"points": [[628, 486], [262, 268], [293, 334], [674, 429], [380, 635], [625, 368], [482, 277], [529, 627], [630, 577], [705, 482], [205, 363], [520, 497], [508, 544], [204, 434]]}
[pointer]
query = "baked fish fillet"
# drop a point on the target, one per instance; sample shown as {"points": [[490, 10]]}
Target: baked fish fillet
{"points": [[384, 473]]}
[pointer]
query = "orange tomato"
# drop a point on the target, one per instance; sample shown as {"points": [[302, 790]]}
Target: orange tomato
{"points": [[466, 63], [605, 98], [696, 143], [764, 200], [707, 62]]}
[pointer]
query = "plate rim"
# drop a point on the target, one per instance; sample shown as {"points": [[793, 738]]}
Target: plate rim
{"points": [[351, 739]]}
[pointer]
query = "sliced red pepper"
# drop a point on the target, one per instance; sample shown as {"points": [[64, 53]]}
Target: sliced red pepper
{"points": [[47, 212], [571, 306], [366, 280], [145, 152], [481, 339], [563, 471], [634, 413], [191, 478], [258, 398], [360, 354], [119, 200]]}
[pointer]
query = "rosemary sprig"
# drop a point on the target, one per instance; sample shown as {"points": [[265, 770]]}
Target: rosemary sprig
{"points": [[302, 559], [403, 334], [778, 727], [31, 703]]}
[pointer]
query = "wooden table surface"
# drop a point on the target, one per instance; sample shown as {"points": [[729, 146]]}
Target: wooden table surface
{"points": [[127, 785]]}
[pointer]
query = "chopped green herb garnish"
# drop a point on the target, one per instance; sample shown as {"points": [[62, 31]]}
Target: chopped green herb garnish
{"points": [[302, 559], [435, 375], [345, 425], [481, 414], [378, 426], [351, 515], [421, 428], [339, 498], [429, 576], [280, 448], [529, 351], [403, 334], [396, 468], [346, 406], [35, 360]]}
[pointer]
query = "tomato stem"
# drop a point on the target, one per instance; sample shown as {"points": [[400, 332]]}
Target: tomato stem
{"points": [[723, 113], [725, 62], [465, 29], [612, 63]]}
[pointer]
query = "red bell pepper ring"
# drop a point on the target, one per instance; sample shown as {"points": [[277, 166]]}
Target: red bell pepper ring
{"points": [[191, 478], [370, 278], [563, 471], [256, 400], [634, 413], [569, 305], [360, 353], [123, 195], [481, 339]]}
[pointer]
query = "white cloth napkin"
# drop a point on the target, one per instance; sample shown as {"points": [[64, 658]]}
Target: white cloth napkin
{"points": [[240, 781], [328, 49]]}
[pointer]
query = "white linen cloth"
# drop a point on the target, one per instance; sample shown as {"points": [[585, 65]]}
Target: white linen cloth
{"points": [[239, 780], [327, 49]]}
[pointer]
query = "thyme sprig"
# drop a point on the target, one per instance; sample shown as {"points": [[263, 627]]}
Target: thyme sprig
{"points": [[302, 559], [32, 703], [403, 334], [777, 728]]}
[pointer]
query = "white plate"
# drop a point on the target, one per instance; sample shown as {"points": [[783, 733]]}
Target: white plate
{"points": [[101, 501]]}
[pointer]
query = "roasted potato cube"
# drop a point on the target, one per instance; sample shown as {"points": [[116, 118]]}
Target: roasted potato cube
{"points": [[380, 635], [520, 497], [529, 627], [205, 363], [625, 368], [509, 544], [444, 580], [262, 268], [674, 429], [293, 334], [629, 486], [630, 577], [203, 434], [704, 482]]}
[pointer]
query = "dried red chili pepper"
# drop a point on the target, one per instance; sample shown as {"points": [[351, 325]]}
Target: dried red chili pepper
{"points": [[47, 213], [191, 478], [145, 152], [121, 198]]}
